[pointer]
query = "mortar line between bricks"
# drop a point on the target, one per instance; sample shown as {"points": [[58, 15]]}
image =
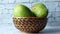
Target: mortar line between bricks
{"points": [[4, 3], [28, 2], [37, 1], [25, 2], [50, 1], [7, 4]]}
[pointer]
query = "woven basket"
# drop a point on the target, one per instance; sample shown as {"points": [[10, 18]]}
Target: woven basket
{"points": [[29, 24]]}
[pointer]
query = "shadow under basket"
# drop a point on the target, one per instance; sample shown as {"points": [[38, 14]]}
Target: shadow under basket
{"points": [[29, 24]]}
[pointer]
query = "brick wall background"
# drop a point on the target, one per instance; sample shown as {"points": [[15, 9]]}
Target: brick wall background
{"points": [[6, 10]]}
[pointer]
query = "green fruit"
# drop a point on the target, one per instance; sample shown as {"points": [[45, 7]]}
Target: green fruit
{"points": [[40, 10], [22, 11]]}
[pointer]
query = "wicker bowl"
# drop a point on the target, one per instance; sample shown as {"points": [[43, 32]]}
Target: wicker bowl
{"points": [[29, 24]]}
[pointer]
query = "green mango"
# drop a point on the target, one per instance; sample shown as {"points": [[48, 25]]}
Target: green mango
{"points": [[22, 11], [40, 10]]}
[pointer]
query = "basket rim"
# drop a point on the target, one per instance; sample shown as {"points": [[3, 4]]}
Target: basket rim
{"points": [[28, 17]]}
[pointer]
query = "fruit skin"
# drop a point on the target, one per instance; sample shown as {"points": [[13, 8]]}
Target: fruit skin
{"points": [[22, 11], [40, 10]]}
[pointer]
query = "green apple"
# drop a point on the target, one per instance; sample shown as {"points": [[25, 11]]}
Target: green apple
{"points": [[22, 11], [40, 10]]}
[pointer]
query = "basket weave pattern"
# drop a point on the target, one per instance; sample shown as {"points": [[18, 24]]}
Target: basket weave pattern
{"points": [[30, 25]]}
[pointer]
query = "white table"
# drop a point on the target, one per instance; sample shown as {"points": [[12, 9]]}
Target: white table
{"points": [[10, 29]]}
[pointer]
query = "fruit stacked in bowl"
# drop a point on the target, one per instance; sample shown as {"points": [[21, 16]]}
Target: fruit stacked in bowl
{"points": [[30, 20]]}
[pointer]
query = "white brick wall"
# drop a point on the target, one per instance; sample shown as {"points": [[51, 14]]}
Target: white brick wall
{"points": [[6, 10], [7, 1]]}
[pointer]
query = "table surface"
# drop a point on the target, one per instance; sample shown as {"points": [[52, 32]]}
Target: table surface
{"points": [[10, 29]]}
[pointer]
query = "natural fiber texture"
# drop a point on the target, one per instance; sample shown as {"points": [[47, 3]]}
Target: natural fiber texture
{"points": [[30, 25]]}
